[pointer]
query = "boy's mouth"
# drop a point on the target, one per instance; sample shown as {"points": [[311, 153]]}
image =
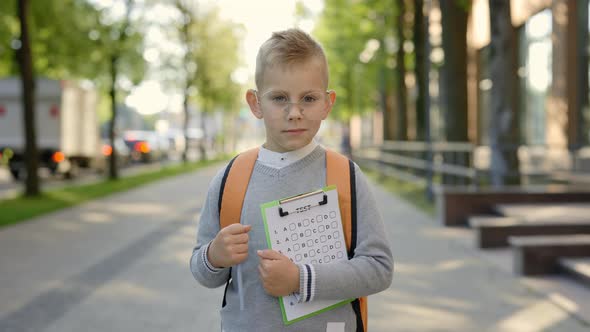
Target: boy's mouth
{"points": [[294, 131]]}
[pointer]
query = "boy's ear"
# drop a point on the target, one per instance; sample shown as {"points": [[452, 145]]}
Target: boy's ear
{"points": [[331, 101], [253, 103]]}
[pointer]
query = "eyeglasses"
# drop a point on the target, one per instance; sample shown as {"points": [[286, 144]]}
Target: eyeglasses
{"points": [[311, 104]]}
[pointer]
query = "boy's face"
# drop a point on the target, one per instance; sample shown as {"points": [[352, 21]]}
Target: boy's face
{"points": [[293, 101]]}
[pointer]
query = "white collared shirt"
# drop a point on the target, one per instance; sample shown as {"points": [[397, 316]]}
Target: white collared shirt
{"points": [[279, 160]]}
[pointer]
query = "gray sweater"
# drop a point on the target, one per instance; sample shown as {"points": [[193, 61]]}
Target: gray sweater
{"points": [[368, 272]]}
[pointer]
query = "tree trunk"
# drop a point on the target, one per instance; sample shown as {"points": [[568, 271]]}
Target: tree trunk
{"points": [[386, 109], [113, 167], [582, 73], [345, 146], [28, 97], [454, 77], [421, 75], [185, 125], [184, 31], [503, 131], [113, 170], [454, 70], [400, 75], [203, 142]]}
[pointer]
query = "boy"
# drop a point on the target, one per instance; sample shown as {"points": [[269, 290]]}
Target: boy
{"points": [[292, 99]]}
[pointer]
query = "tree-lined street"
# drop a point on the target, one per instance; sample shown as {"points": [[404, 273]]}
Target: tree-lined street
{"points": [[482, 106], [121, 264]]}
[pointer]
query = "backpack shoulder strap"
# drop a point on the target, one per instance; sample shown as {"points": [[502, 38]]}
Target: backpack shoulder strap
{"points": [[340, 172], [233, 187], [231, 194]]}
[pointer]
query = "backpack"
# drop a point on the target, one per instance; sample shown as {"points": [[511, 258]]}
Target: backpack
{"points": [[339, 171]]}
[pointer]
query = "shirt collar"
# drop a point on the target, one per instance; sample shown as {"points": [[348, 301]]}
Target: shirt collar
{"points": [[279, 160]]}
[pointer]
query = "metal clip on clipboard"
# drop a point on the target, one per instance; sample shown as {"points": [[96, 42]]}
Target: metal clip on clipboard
{"points": [[304, 208]]}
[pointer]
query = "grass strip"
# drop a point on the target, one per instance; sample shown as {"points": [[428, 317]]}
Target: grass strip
{"points": [[412, 193], [19, 209]]}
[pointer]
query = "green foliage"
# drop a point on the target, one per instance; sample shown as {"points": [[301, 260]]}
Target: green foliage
{"points": [[9, 28], [346, 29], [70, 39], [211, 54], [216, 57], [121, 39], [464, 4]]}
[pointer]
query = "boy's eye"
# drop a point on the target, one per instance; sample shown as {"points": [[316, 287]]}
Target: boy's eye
{"points": [[279, 99], [310, 99]]}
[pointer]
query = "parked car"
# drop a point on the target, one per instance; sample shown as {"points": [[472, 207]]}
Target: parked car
{"points": [[146, 146], [122, 150]]}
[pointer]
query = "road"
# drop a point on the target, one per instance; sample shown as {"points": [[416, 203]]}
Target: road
{"points": [[10, 188], [121, 264]]}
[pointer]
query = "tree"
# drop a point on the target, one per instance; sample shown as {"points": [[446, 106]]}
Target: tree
{"points": [[60, 38], [420, 38], [503, 113], [216, 57], [188, 12], [454, 70], [118, 54], [400, 73], [32, 31], [203, 72], [28, 89], [582, 103], [73, 39], [454, 73], [349, 32]]}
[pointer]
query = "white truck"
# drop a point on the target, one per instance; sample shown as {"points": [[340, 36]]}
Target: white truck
{"points": [[67, 126]]}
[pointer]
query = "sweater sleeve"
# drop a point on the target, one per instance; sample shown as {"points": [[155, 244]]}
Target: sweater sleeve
{"points": [[208, 228], [371, 268]]}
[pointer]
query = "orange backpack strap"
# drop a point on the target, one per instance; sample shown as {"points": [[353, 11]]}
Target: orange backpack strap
{"points": [[231, 198], [340, 172]]}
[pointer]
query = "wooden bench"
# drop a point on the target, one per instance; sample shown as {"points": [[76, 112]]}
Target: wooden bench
{"points": [[456, 204], [493, 231], [536, 255], [579, 268]]}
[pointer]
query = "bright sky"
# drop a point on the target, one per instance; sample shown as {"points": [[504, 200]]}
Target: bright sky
{"points": [[259, 18]]}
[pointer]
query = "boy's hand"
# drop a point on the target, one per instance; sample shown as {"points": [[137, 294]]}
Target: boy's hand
{"points": [[279, 275], [230, 246]]}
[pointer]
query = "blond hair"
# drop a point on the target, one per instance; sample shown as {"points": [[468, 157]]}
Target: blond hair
{"points": [[288, 47]]}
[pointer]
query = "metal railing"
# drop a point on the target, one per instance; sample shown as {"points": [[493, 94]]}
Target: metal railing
{"points": [[423, 163], [460, 163]]}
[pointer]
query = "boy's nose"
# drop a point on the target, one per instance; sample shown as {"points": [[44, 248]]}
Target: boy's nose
{"points": [[294, 111]]}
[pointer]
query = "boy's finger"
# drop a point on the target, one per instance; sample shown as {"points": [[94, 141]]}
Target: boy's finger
{"points": [[241, 238], [241, 248], [238, 228], [269, 254]]}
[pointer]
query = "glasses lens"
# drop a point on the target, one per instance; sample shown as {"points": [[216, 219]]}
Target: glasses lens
{"points": [[313, 105]]}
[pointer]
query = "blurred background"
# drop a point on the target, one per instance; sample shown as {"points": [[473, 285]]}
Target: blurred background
{"points": [[475, 111], [499, 95]]}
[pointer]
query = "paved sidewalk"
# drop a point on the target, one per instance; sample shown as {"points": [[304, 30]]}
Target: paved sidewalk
{"points": [[121, 264], [442, 283]]}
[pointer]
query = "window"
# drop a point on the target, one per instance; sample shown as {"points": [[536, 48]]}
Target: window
{"points": [[535, 56]]}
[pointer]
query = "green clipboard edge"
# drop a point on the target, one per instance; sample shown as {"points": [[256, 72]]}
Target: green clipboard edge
{"points": [[274, 203]]}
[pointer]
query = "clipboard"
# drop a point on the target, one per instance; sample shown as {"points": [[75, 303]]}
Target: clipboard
{"points": [[307, 228]]}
